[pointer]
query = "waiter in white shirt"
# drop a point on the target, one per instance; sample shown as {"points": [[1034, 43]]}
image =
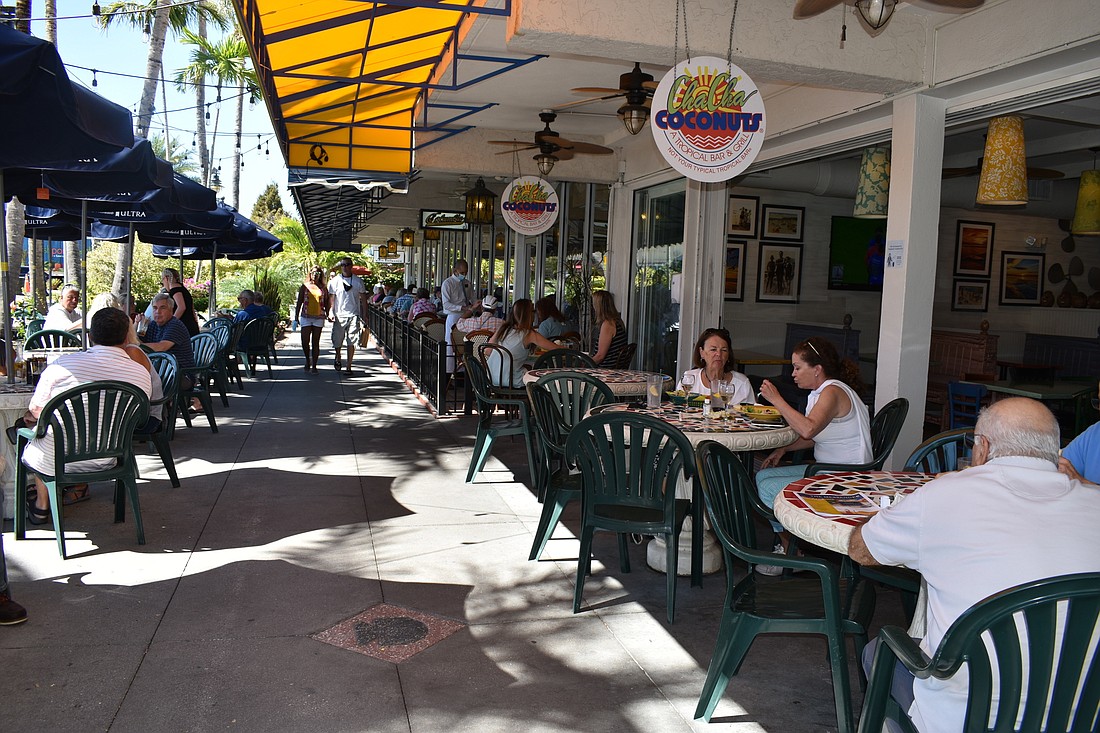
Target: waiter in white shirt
{"points": [[456, 304]]}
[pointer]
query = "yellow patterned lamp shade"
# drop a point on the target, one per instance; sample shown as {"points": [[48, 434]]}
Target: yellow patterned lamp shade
{"points": [[873, 193], [1003, 181], [1086, 217], [431, 235]]}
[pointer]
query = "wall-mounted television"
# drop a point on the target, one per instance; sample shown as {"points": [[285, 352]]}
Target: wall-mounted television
{"points": [[857, 253]]}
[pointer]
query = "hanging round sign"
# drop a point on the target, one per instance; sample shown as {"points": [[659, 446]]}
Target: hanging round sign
{"points": [[529, 205], [708, 119]]}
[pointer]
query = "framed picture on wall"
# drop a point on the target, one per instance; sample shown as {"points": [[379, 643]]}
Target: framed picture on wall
{"points": [[779, 275], [782, 222], [1022, 278], [970, 295], [734, 288], [743, 212], [973, 248]]}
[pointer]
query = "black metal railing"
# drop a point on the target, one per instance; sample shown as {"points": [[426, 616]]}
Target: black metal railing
{"points": [[421, 358]]}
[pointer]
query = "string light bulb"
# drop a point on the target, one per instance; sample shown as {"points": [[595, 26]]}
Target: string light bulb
{"points": [[95, 10], [95, 81], [146, 33]]}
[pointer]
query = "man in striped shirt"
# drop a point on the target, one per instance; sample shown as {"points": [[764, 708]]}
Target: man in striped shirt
{"points": [[106, 360]]}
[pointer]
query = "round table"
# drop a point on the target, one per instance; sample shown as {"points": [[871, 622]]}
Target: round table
{"points": [[623, 382], [805, 509], [731, 430], [14, 400]]}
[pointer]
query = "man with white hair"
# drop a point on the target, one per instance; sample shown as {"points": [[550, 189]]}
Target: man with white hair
{"points": [[1009, 519], [64, 314], [349, 307]]}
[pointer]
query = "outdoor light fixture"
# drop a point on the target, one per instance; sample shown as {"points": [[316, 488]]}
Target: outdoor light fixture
{"points": [[1003, 181], [431, 235], [407, 237], [499, 241], [876, 13], [215, 181], [479, 203], [873, 192], [634, 117], [545, 163], [95, 10], [391, 247]]}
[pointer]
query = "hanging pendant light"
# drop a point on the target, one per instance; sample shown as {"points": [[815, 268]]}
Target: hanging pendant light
{"points": [[873, 192], [634, 117], [1086, 217], [498, 241], [391, 247], [876, 13], [545, 163], [1003, 180], [479, 203], [407, 237]]}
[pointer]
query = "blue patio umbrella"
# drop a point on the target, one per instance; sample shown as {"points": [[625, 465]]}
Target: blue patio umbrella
{"points": [[45, 118]]}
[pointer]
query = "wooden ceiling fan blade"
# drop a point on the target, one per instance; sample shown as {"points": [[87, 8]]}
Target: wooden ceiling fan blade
{"points": [[810, 8], [587, 148], [1044, 173], [515, 144], [590, 100], [597, 90], [650, 85], [967, 4], [961, 172], [564, 155]]}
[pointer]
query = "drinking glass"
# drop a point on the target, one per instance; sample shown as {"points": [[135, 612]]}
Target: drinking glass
{"points": [[687, 382], [653, 384]]}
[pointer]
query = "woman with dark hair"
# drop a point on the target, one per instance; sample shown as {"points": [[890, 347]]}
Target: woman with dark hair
{"points": [[712, 360], [836, 424], [551, 321], [516, 335], [609, 333], [181, 296], [311, 311]]}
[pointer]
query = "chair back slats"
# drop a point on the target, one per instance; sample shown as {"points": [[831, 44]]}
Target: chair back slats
{"points": [[205, 349], [574, 394], [942, 452], [51, 339], [168, 369], [94, 420], [885, 429], [726, 487], [629, 460], [502, 375], [564, 359], [964, 403], [222, 330]]}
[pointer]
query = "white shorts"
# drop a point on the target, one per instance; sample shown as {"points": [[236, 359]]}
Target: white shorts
{"points": [[315, 321]]}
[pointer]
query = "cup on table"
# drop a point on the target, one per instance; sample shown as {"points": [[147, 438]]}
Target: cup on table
{"points": [[962, 462], [653, 386]]}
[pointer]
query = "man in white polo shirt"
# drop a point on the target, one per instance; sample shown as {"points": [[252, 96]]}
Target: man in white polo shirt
{"points": [[1009, 519], [64, 314]]}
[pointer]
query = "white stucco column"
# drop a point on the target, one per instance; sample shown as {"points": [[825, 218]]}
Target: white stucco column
{"points": [[704, 268], [909, 286]]}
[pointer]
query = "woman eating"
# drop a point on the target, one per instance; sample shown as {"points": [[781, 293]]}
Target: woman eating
{"points": [[712, 360], [609, 334], [836, 424], [516, 336]]}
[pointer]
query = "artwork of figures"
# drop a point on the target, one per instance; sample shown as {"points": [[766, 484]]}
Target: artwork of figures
{"points": [[742, 216], [780, 273]]}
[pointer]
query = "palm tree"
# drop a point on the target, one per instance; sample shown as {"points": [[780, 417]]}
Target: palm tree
{"points": [[227, 62], [179, 155], [157, 16]]}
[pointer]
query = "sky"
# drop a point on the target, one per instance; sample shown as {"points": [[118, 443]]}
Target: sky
{"points": [[83, 46]]}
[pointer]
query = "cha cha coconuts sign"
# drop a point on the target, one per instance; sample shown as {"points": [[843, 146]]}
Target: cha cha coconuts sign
{"points": [[529, 205], [708, 119]]}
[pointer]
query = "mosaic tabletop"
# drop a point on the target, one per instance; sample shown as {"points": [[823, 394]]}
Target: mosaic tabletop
{"points": [[824, 509], [726, 427], [623, 382]]}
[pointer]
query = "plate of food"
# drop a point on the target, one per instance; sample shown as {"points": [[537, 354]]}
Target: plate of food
{"points": [[759, 413], [679, 397]]}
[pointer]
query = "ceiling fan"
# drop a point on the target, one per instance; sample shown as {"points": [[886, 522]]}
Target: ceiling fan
{"points": [[876, 13], [973, 170], [636, 87], [552, 147]]}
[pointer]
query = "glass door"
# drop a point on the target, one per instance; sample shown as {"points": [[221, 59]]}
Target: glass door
{"points": [[655, 274]]}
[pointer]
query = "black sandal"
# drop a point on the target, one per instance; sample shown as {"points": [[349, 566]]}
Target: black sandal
{"points": [[35, 515], [339, 365]]}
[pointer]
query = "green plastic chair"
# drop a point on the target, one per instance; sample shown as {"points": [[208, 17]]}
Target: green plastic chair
{"points": [[51, 339], [487, 430], [222, 330], [779, 606], [231, 360], [942, 451], [629, 465], [168, 370], [885, 428], [204, 346], [35, 325], [93, 420], [558, 402], [254, 344], [1057, 697], [564, 359]]}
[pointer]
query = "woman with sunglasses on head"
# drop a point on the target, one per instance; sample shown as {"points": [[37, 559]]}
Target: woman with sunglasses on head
{"points": [[712, 360], [836, 424], [313, 300]]}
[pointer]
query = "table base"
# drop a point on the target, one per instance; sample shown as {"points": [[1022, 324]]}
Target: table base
{"points": [[657, 558]]}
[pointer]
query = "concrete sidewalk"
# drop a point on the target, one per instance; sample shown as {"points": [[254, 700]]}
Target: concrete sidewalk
{"points": [[321, 497]]}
